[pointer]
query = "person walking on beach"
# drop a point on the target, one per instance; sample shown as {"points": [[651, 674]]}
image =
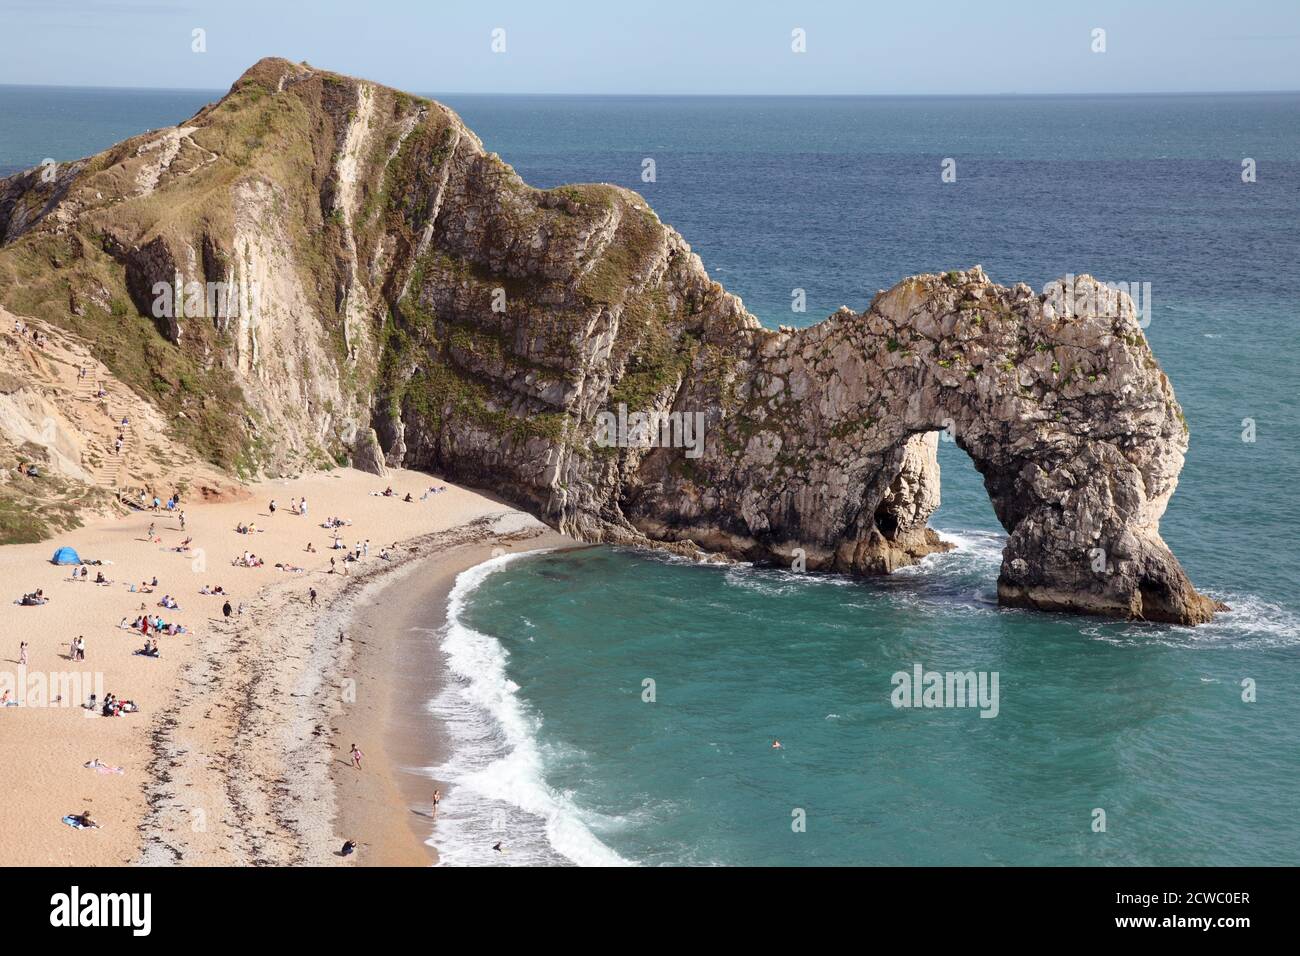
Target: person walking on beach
{"points": [[437, 799], [225, 609], [182, 517], [312, 593], [22, 653], [340, 637], [273, 507], [356, 757]]}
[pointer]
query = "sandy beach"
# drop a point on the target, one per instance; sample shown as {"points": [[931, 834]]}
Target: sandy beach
{"points": [[239, 751]]}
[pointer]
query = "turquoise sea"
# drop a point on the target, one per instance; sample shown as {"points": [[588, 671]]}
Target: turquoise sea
{"points": [[555, 751]]}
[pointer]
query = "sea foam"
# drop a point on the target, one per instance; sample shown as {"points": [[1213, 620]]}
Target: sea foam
{"points": [[496, 768]]}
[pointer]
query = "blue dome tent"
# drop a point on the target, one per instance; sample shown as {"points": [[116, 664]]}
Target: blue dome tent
{"points": [[65, 555]]}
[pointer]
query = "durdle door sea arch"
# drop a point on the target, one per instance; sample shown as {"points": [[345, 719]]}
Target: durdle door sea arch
{"points": [[1064, 413]]}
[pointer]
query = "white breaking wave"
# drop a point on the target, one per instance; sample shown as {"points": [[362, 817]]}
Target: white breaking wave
{"points": [[1253, 624], [498, 790]]}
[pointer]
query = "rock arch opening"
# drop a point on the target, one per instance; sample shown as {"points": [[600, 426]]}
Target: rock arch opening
{"points": [[830, 453]]}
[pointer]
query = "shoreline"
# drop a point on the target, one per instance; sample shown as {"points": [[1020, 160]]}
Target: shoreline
{"points": [[233, 754], [387, 806], [285, 801]]}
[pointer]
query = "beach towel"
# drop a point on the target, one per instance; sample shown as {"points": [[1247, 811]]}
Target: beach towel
{"points": [[104, 768]]}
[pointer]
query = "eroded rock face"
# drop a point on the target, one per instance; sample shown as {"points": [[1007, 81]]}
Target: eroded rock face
{"points": [[412, 284], [1067, 416]]}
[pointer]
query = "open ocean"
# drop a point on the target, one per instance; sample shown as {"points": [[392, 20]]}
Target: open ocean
{"points": [[554, 750]]}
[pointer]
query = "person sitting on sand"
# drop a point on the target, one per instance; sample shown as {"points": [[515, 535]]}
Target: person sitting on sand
{"points": [[311, 548], [408, 498], [84, 820]]}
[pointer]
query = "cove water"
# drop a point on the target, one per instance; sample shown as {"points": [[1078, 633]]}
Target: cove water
{"points": [[555, 750]]}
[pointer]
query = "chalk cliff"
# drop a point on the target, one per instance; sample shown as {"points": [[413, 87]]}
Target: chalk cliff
{"points": [[391, 293]]}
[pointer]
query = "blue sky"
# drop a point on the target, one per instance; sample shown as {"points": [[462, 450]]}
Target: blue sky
{"points": [[669, 46]]}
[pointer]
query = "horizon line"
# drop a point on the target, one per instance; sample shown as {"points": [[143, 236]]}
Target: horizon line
{"points": [[219, 91]]}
